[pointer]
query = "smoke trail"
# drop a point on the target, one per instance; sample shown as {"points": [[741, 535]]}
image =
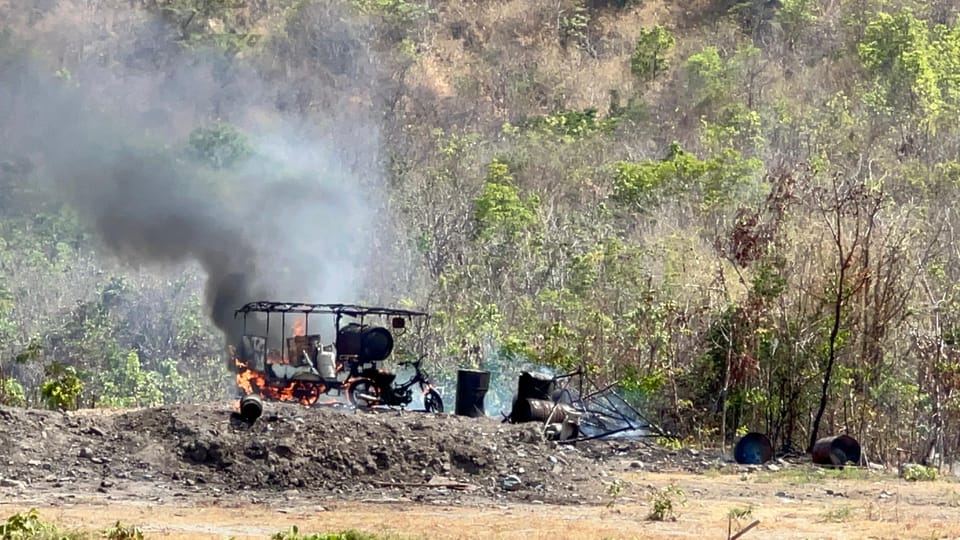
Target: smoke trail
{"points": [[289, 222]]}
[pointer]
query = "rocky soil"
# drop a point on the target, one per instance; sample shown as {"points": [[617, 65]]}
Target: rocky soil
{"points": [[336, 453]]}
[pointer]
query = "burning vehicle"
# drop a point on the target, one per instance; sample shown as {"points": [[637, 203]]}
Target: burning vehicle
{"points": [[288, 363]]}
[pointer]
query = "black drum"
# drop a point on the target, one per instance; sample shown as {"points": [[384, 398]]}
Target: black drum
{"points": [[534, 385], [472, 386], [367, 343]]}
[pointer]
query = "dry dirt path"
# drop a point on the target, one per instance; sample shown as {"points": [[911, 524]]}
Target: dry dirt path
{"points": [[794, 504]]}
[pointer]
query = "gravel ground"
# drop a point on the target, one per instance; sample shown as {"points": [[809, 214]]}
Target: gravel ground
{"points": [[336, 453]]}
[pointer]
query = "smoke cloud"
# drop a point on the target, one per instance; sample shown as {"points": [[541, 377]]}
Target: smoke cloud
{"points": [[109, 136]]}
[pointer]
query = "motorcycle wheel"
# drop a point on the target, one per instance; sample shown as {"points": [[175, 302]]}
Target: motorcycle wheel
{"points": [[362, 393], [306, 394], [432, 402]]}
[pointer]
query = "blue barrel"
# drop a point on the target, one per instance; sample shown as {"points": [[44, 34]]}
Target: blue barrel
{"points": [[753, 449]]}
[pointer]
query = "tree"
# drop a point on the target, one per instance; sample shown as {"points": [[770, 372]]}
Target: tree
{"points": [[849, 207], [649, 53]]}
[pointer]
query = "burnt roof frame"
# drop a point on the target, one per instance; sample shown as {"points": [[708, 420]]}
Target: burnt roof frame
{"points": [[349, 310], [355, 311]]}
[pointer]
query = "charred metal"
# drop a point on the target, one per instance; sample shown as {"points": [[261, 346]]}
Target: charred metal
{"points": [[306, 366]]}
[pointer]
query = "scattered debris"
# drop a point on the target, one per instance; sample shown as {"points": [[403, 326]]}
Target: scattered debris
{"points": [[250, 408], [572, 408], [743, 531], [511, 482]]}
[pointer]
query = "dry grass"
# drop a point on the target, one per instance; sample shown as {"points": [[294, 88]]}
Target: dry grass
{"points": [[498, 43]]}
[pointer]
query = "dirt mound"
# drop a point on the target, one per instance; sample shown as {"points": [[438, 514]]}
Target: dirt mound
{"points": [[323, 451]]}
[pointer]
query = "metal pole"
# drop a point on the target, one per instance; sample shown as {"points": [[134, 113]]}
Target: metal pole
{"points": [[266, 350], [592, 437]]}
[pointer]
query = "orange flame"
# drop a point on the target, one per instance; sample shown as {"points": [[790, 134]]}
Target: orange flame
{"points": [[253, 382], [300, 326]]}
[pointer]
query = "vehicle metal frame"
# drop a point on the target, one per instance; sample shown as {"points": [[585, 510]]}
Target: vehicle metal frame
{"points": [[354, 374]]}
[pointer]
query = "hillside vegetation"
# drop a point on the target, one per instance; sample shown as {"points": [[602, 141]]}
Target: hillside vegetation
{"points": [[742, 210]]}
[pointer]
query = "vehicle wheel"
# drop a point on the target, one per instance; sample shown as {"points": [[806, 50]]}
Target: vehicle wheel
{"points": [[307, 394], [362, 393], [432, 402]]}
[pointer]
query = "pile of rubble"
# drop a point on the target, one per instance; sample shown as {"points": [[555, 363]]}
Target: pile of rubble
{"points": [[327, 452]]}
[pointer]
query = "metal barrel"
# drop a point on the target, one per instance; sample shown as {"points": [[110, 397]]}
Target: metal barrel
{"points": [[753, 449], [251, 407], [540, 410], [836, 451], [535, 385], [368, 343], [472, 386]]}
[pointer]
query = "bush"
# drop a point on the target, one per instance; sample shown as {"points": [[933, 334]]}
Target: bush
{"points": [[62, 388], [664, 503], [221, 146], [11, 392], [294, 534], [120, 532], [914, 472], [29, 526]]}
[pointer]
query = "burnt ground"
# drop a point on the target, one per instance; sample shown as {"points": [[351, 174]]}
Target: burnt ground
{"points": [[206, 450]]}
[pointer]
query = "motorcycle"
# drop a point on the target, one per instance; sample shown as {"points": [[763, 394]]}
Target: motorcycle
{"points": [[375, 387]]}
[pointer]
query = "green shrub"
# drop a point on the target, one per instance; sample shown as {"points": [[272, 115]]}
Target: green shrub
{"points": [[62, 388], [221, 145], [29, 526], [120, 532], [11, 392], [914, 472], [664, 503]]}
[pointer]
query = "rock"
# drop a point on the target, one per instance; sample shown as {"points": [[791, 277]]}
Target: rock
{"points": [[9, 482], [772, 468], [85, 452], [511, 483]]}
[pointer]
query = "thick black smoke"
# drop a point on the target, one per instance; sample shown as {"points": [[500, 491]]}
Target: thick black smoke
{"points": [[109, 137]]}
